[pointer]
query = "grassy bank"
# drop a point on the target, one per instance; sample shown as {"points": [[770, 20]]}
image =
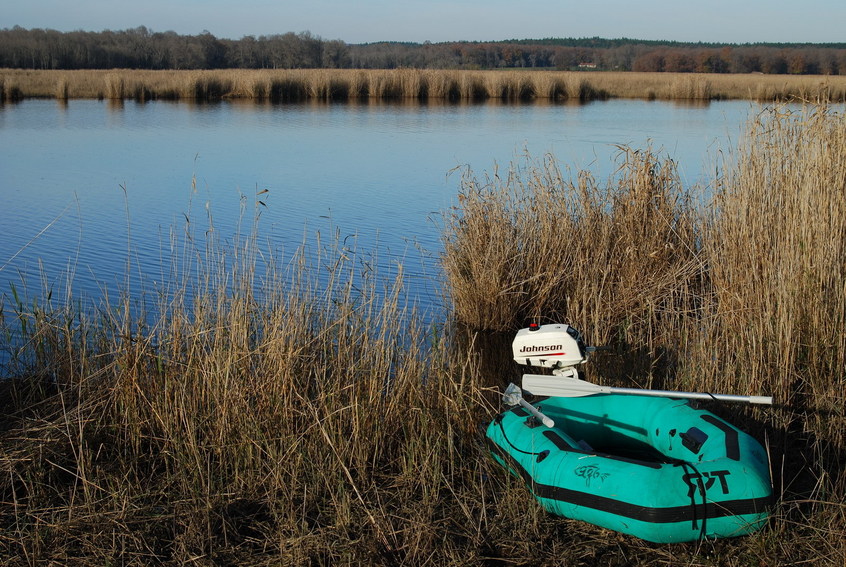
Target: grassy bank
{"points": [[411, 84], [309, 416]]}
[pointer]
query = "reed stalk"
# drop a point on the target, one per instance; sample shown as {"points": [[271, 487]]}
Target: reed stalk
{"points": [[62, 90], [115, 87]]}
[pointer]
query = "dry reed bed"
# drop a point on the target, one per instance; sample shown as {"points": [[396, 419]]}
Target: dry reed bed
{"points": [[413, 84], [300, 413], [308, 420]]}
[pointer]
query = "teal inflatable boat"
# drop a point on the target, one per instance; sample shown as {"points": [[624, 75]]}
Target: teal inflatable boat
{"points": [[644, 464]]}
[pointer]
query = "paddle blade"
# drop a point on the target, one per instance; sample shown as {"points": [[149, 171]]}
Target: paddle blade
{"points": [[558, 387], [561, 387]]}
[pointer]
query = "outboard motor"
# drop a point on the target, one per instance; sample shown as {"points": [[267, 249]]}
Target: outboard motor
{"points": [[557, 346]]}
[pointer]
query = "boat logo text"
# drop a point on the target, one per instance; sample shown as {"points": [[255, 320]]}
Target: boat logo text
{"points": [[533, 348], [590, 472], [700, 482]]}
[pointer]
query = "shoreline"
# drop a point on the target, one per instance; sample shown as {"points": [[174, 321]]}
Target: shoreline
{"points": [[298, 85]]}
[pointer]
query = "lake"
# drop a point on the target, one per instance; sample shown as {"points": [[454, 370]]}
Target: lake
{"points": [[87, 184]]}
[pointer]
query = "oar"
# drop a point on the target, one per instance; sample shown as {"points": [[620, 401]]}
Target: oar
{"points": [[556, 386], [513, 396]]}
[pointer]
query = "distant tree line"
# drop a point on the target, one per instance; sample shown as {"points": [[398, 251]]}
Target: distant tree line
{"points": [[140, 48]]}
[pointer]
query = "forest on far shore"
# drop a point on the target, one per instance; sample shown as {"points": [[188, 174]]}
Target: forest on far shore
{"points": [[141, 48]]}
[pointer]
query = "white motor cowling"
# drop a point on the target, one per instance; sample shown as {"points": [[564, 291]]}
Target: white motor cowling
{"points": [[555, 346]]}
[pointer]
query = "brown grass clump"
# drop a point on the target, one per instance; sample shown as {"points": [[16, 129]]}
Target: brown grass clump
{"points": [[62, 90], [115, 88], [311, 418], [530, 244], [9, 90]]}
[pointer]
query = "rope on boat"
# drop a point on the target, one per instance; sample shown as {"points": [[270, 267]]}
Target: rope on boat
{"points": [[701, 486], [498, 421]]}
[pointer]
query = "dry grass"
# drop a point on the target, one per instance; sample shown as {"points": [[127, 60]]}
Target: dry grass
{"points": [[297, 412], [530, 243], [306, 418], [422, 84], [777, 256]]}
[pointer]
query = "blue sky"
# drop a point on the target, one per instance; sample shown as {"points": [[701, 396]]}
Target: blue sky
{"points": [[356, 21]]}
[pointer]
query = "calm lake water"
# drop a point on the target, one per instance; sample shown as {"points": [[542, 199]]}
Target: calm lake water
{"points": [[87, 184]]}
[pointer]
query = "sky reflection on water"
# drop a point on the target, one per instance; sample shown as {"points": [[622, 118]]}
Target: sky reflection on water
{"points": [[122, 179]]}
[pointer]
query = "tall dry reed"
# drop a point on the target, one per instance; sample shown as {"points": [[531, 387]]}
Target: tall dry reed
{"points": [[115, 86], [296, 412], [530, 244], [62, 90], [9, 90], [777, 257]]}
